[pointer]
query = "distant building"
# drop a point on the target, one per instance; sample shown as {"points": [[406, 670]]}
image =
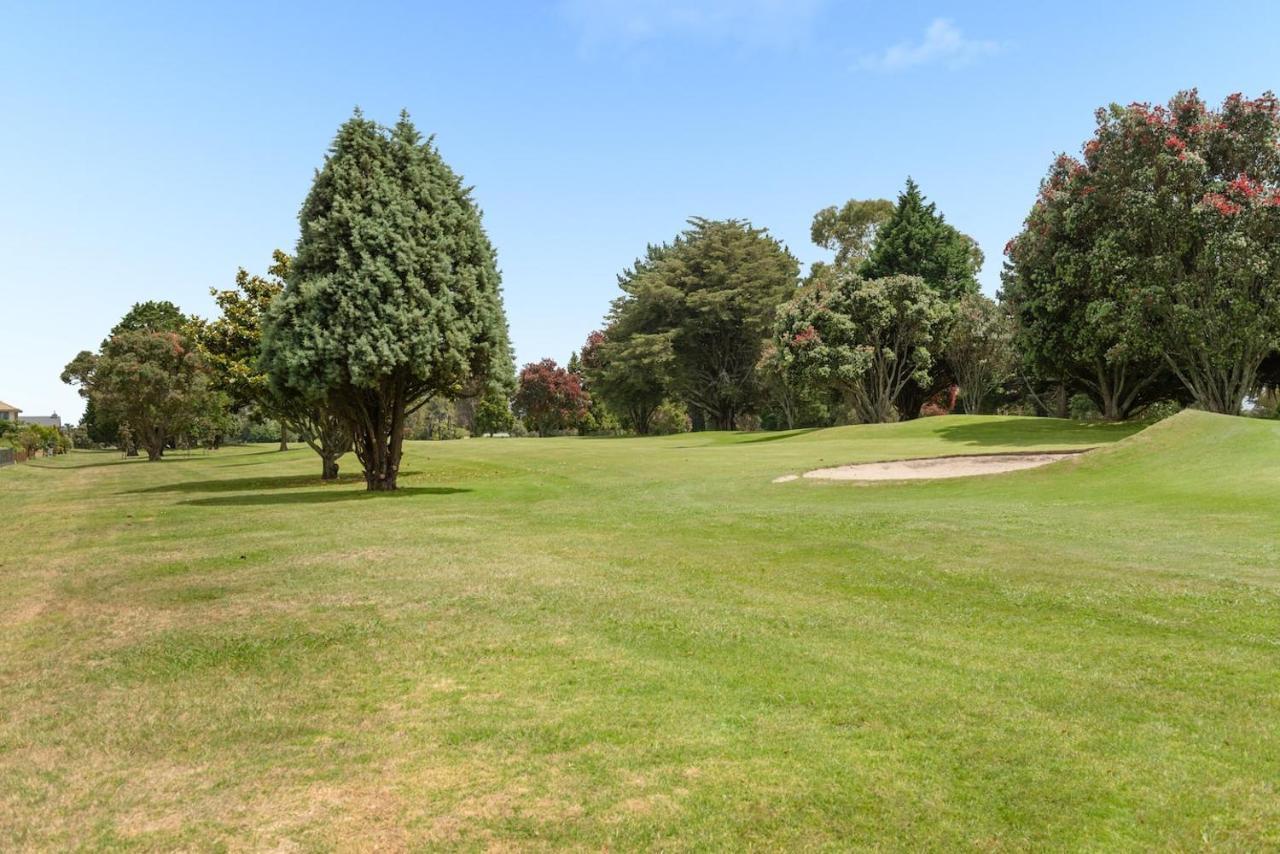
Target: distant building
{"points": [[44, 420], [13, 413]]}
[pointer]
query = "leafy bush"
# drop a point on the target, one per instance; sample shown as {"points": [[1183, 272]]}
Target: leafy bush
{"points": [[1162, 409], [670, 418], [1081, 407]]}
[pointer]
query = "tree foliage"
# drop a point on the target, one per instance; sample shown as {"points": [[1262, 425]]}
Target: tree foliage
{"points": [[394, 295], [1157, 252], [629, 373], [151, 316], [850, 230], [549, 398], [700, 308], [30, 438], [979, 349], [232, 344], [916, 240], [492, 414], [153, 383], [866, 338]]}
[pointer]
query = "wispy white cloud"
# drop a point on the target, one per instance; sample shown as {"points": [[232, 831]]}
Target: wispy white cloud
{"points": [[943, 43], [754, 23]]}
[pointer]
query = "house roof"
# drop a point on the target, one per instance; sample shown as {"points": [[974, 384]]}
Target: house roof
{"points": [[4, 407]]}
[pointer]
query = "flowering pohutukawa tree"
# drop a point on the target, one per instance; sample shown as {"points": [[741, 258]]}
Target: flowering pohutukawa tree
{"points": [[1158, 251], [868, 339]]}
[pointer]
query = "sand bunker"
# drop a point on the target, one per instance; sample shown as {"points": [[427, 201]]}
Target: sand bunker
{"points": [[935, 467]]}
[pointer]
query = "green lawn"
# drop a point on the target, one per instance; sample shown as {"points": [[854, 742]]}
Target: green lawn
{"points": [[622, 643]]}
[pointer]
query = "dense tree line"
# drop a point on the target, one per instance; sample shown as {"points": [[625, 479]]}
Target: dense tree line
{"points": [[719, 321], [1147, 272]]}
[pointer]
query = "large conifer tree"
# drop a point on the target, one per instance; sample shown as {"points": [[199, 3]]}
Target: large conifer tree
{"points": [[394, 295], [917, 241]]}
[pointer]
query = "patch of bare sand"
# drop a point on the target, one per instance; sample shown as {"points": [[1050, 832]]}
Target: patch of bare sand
{"points": [[930, 468]]}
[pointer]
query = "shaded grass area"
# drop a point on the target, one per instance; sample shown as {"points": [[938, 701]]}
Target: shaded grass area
{"points": [[645, 642]]}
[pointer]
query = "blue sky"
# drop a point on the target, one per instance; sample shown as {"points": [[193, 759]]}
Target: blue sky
{"points": [[148, 150]]}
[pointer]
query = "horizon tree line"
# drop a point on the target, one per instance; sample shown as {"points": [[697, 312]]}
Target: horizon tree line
{"points": [[1147, 271]]}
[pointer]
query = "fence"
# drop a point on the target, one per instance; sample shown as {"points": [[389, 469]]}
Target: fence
{"points": [[6, 457]]}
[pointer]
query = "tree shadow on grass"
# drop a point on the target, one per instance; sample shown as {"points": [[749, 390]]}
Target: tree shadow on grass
{"points": [[119, 461], [249, 484], [778, 435], [322, 496], [1036, 431]]}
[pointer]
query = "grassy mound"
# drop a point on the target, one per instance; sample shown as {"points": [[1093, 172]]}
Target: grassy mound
{"points": [[639, 642]]}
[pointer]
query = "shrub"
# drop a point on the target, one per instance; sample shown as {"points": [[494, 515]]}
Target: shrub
{"points": [[1081, 407], [670, 418]]}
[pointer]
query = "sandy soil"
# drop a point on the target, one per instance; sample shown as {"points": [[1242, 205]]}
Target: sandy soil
{"points": [[934, 467]]}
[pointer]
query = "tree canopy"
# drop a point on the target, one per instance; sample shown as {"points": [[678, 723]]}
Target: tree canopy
{"points": [[701, 307], [1157, 254], [916, 240], [394, 295], [866, 338], [850, 230], [232, 345], [550, 398], [979, 348], [153, 383], [151, 316]]}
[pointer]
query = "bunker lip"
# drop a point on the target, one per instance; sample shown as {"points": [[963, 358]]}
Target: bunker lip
{"points": [[935, 468]]}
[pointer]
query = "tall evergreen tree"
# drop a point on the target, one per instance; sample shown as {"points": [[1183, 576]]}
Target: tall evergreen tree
{"points": [[917, 241], [394, 295], [704, 305]]}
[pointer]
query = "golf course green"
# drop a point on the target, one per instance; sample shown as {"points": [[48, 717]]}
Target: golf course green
{"points": [[614, 643]]}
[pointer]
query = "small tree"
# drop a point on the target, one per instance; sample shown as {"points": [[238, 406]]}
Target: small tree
{"points": [[493, 414], [549, 398], [868, 339], [703, 306], [979, 349], [393, 297], [30, 438], [155, 382], [630, 372], [232, 344]]}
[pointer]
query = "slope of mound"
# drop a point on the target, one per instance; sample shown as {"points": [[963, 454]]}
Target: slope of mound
{"points": [[1194, 453], [933, 468]]}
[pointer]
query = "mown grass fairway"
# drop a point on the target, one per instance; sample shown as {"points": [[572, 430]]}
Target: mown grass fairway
{"points": [[634, 642]]}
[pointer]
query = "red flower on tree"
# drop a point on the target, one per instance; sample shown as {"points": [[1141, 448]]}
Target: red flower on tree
{"points": [[1221, 204], [806, 336], [1246, 186]]}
